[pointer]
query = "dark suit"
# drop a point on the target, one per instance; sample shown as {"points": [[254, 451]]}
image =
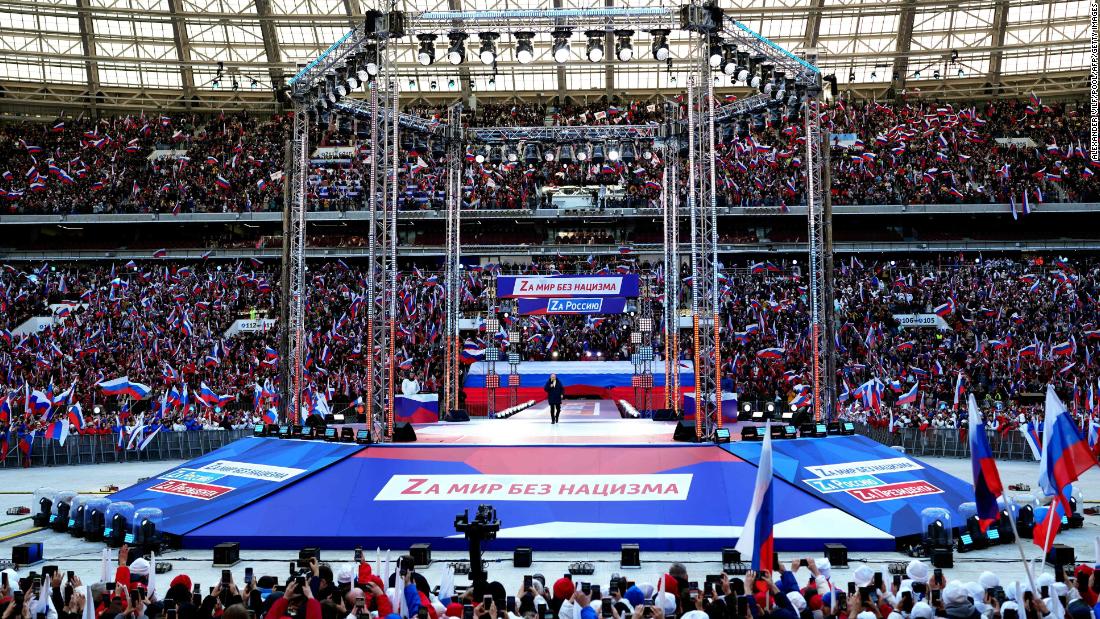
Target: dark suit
{"points": [[554, 393]]}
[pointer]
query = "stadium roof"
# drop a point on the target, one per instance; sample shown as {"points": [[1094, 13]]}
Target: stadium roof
{"points": [[165, 54]]}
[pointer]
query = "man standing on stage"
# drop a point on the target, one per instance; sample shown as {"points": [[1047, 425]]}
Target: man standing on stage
{"points": [[554, 392]]}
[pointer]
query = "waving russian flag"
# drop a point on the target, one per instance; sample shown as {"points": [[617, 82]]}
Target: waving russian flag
{"points": [[987, 480], [910, 397], [76, 416], [770, 353], [58, 431], [945, 310], [40, 403], [1065, 457], [757, 538], [270, 416]]}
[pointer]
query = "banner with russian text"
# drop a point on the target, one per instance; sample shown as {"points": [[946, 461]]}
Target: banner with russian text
{"points": [[576, 305], [512, 286]]}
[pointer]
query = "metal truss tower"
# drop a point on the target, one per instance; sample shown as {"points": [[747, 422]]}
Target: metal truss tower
{"points": [[454, 274], [670, 206]]}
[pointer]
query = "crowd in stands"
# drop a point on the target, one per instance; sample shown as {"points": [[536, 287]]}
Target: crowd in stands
{"points": [[802, 589], [907, 152], [1010, 326]]}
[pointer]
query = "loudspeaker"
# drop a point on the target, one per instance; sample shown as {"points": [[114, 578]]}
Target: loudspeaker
{"points": [[1060, 554], [664, 414], [403, 432], [227, 554], [421, 554], [685, 431], [943, 558], [457, 415], [631, 556], [26, 554], [837, 554], [521, 557]]}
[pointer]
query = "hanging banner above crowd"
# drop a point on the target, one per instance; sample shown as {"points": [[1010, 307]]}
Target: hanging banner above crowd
{"points": [[575, 305], [512, 286]]}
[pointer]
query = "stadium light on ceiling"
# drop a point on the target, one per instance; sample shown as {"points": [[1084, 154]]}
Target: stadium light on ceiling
{"points": [[525, 48], [561, 49], [659, 48], [594, 50], [624, 49], [426, 54], [456, 51], [488, 53]]}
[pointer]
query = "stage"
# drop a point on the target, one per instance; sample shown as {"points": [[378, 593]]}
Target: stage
{"points": [[593, 481]]}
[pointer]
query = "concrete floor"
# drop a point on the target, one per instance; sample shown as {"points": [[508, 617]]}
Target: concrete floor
{"points": [[17, 486]]}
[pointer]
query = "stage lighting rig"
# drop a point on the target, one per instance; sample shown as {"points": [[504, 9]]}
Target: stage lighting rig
{"points": [[624, 49], [525, 48], [560, 48], [456, 51], [426, 54], [483, 528], [594, 49], [729, 59], [659, 47], [488, 52]]}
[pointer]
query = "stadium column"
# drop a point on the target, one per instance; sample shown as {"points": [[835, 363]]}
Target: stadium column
{"points": [[183, 50], [271, 43], [905, 41], [1000, 20], [87, 41]]}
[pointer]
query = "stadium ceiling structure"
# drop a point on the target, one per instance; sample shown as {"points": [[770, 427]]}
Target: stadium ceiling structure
{"points": [[203, 55]]}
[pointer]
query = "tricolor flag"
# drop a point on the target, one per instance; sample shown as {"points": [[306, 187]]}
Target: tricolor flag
{"points": [[58, 431], [987, 480], [909, 397], [221, 182], [757, 538], [1065, 457], [770, 353]]}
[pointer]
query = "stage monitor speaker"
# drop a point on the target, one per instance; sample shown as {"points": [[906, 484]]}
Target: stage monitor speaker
{"points": [[457, 415], [685, 431], [521, 557], [227, 554], [943, 558], [664, 414], [403, 432], [26, 554], [421, 554], [1060, 554], [837, 554], [631, 556]]}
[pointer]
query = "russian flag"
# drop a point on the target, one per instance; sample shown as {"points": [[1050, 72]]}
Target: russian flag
{"points": [[909, 397], [1063, 348], [270, 417], [987, 480], [221, 182], [770, 353], [39, 403], [1065, 457], [76, 416], [757, 538], [945, 310], [58, 431]]}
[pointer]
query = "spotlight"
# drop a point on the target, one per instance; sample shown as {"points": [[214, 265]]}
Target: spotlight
{"points": [[624, 49], [581, 153], [525, 49], [548, 155], [594, 51], [612, 153], [660, 44], [456, 51], [560, 49], [715, 57], [851, 76], [372, 61], [629, 153], [565, 154], [351, 74], [488, 53], [729, 60]]}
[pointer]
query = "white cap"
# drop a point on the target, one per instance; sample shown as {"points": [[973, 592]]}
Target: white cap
{"points": [[917, 571], [140, 567], [796, 598], [954, 594], [988, 580], [667, 602], [921, 610], [863, 576], [866, 615], [345, 575], [825, 568]]}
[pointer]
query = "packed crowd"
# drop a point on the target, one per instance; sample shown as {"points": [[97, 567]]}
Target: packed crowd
{"points": [[802, 589], [1007, 327], [1024, 152]]}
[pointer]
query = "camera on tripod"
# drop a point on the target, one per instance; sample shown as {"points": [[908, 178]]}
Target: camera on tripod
{"points": [[482, 528]]}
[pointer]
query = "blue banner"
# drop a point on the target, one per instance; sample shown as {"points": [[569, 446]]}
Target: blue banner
{"points": [[578, 305], [571, 286], [213, 485]]}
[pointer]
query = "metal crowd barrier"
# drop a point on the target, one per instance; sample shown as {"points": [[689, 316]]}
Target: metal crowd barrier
{"points": [[91, 449], [948, 442]]}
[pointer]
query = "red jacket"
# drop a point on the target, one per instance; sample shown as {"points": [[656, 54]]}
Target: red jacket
{"points": [[278, 609]]}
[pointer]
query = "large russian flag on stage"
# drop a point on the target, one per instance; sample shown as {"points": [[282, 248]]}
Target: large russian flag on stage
{"points": [[418, 408], [757, 537]]}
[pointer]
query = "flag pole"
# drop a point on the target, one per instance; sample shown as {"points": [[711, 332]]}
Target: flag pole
{"points": [[1015, 533]]}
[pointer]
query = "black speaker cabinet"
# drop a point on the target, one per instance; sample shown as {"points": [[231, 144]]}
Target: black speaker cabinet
{"points": [[26, 554], [664, 414], [227, 554], [403, 433], [685, 431], [457, 415], [421, 554], [521, 557]]}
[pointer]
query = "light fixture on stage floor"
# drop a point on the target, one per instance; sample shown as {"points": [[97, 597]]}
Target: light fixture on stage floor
{"points": [[146, 529], [722, 435], [971, 537], [758, 415], [659, 47], [525, 49], [44, 499], [331, 434], [362, 437], [95, 518], [59, 514], [813, 430], [456, 51], [937, 539], [119, 516], [347, 435], [752, 433]]}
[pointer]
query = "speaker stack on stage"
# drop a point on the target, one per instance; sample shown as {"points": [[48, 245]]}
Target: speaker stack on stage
{"points": [[457, 415], [664, 414], [685, 431], [403, 432]]}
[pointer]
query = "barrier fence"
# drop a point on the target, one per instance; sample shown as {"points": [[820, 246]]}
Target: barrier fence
{"points": [[948, 442], [95, 449]]}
